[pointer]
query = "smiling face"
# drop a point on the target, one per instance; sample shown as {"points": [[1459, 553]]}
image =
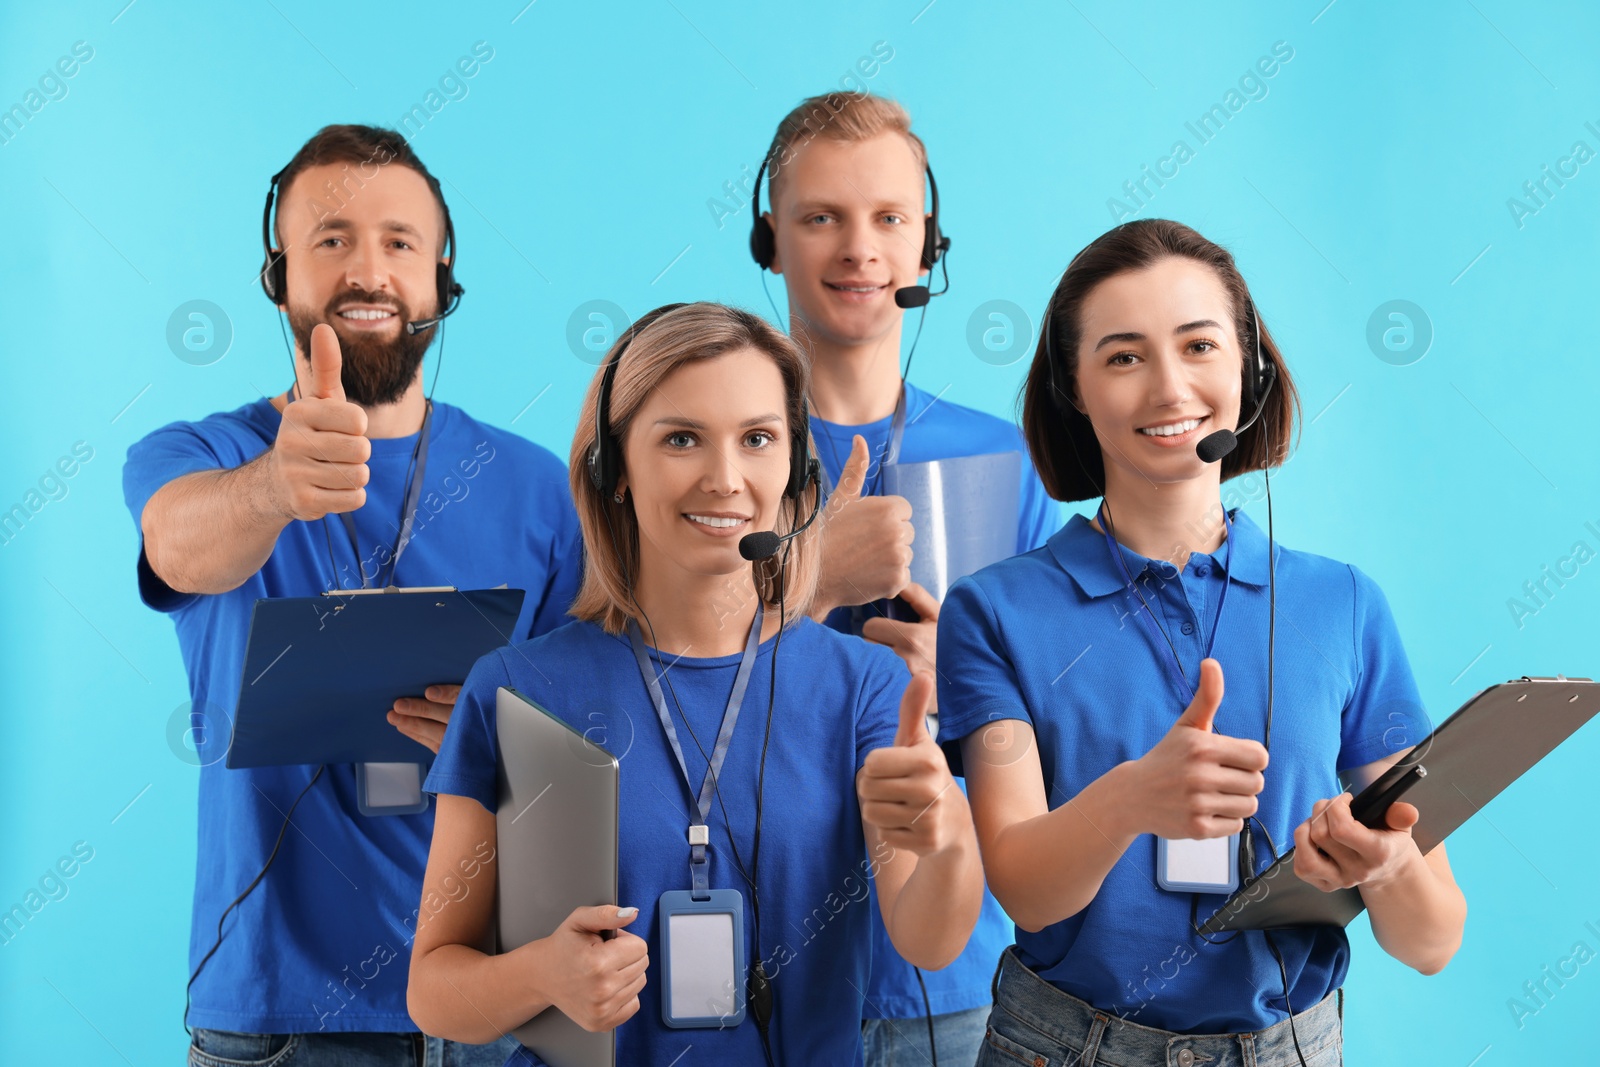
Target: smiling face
{"points": [[848, 222], [366, 268], [1159, 368], [706, 459]]}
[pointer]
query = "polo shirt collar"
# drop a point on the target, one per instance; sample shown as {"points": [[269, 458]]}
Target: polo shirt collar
{"points": [[1080, 550]]}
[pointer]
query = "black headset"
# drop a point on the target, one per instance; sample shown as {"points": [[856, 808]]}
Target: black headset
{"points": [[274, 266], [605, 454], [764, 243]]}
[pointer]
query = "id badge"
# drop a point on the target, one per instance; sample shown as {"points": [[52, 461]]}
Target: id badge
{"points": [[390, 788], [702, 949], [1185, 865]]}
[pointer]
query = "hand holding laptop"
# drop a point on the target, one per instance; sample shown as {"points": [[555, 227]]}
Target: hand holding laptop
{"points": [[593, 981]]}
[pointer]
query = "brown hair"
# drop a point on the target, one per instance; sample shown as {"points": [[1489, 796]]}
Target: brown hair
{"points": [[366, 147], [685, 335], [1060, 438], [845, 117]]}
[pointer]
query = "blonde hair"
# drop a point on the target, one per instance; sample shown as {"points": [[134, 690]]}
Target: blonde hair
{"points": [[685, 335], [843, 117]]}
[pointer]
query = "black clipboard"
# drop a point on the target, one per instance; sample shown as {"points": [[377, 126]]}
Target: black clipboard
{"points": [[322, 672], [1491, 741]]}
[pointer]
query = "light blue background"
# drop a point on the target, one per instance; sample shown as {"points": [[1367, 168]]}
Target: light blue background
{"points": [[580, 163]]}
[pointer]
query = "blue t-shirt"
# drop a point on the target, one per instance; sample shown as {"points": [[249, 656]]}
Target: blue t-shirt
{"points": [[1052, 638], [324, 942], [937, 428], [838, 698]]}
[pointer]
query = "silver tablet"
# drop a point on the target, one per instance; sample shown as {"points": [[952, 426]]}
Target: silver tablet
{"points": [[557, 851]]}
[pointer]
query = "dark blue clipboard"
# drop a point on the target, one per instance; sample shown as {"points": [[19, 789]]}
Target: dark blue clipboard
{"points": [[321, 673]]}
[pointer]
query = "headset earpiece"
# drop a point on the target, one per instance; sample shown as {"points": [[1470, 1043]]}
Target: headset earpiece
{"points": [[934, 243], [274, 271], [763, 242], [1258, 371], [803, 466], [275, 277]]}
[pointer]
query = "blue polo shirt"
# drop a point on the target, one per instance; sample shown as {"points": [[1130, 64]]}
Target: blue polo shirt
{"points": [[838, 698], [938, 428], [324, 942], [1051, 638]]}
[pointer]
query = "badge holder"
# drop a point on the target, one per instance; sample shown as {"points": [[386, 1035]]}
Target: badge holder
{"points": [[1210, 865], [390, 789], [702, 950]]}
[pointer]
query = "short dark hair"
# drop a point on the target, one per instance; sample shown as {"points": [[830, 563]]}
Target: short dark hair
{"points": [[1060, 438], [360, 145]]}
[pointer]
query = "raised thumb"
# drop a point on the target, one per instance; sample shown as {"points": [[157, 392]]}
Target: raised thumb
{"points": [[914, 703], [854, 475], [327, 381], [1202, 710]]}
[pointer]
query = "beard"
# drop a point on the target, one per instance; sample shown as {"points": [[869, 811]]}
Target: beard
{"points": [[374, 371]]}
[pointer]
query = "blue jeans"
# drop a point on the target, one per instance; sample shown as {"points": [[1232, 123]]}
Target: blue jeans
{"points": [[1035, 1023], [224, 1048], [904, 1042]]}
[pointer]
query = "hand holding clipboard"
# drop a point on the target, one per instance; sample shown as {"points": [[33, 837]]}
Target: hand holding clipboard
{"points": [[1350, 841]]}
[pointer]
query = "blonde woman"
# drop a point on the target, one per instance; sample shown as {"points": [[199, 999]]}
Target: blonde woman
{"points": [[694, 436]]}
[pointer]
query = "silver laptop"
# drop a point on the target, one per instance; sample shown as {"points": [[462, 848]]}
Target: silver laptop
{"points": [[557, 829]]}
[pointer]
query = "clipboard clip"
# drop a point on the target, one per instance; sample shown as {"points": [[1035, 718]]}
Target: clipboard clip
{"points": [[393, 589]]}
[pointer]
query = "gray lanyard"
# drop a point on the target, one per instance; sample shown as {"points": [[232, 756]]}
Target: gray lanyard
{"points": [[891, 449], [408, 508], [699, 832]]}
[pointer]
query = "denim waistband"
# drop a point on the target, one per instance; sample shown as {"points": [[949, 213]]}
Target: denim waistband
{"points": [[1028, 1008]]}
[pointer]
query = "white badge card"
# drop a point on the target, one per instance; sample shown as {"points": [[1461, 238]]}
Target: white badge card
{"points": [[702, 949], [1185, 865]]}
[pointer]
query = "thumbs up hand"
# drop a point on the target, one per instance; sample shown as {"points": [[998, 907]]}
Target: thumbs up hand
{"points": [[1193, 783], [906, 790], [318, 462], [866, 541]]}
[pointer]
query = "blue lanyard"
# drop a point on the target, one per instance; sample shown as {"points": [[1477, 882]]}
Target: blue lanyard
{"points": [[699, 832], [891, 447], [408, 507], [1179, 679]]}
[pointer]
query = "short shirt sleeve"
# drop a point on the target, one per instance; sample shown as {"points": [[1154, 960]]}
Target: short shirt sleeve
{"points": [[978, 683], [883, 683], [470, 753], [1385, 713], [565, 571], [162, 456]]}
